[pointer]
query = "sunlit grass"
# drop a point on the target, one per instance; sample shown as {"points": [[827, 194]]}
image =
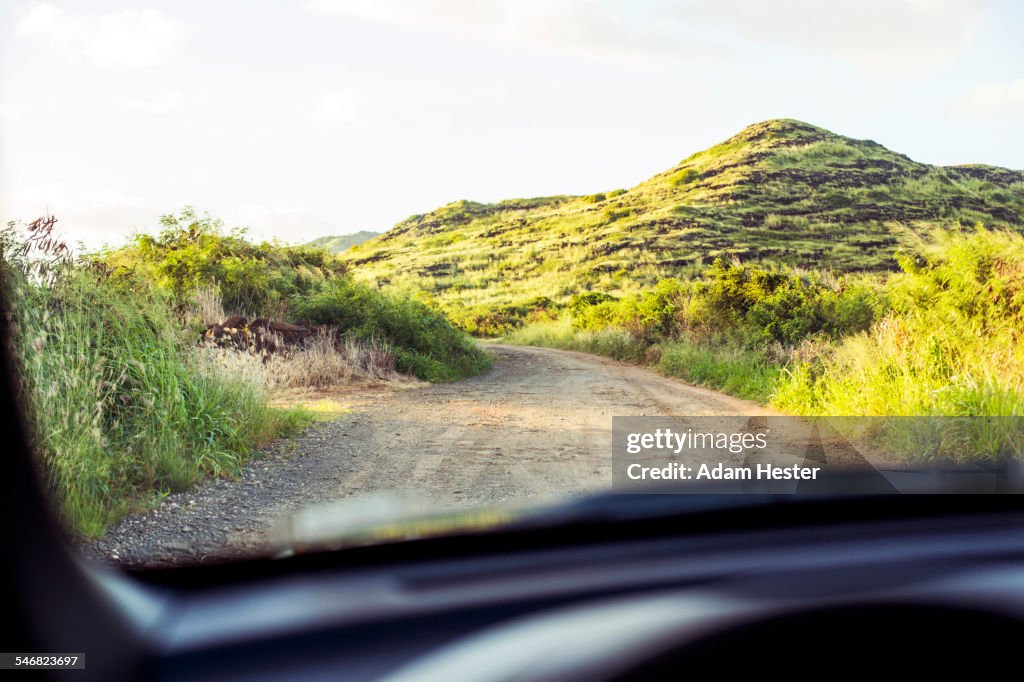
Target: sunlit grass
{"points": [[943, 338], [728, 368], [951, 345], [121, 405]]}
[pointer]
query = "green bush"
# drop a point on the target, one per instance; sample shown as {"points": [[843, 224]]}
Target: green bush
{"points": [[192, 251], [762, 305], [613, 214], [425, 342], [580, 302], [749, 305], [491, 321], [685, 177], [650, 315]]}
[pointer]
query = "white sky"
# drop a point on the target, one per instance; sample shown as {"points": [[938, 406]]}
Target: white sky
{"points": [[300, 119]]}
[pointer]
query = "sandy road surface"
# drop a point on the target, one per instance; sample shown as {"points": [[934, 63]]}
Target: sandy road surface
{"points": [[535, 428]]}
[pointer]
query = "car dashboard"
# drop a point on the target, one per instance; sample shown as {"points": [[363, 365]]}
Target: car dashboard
{"points": [[850, 591]]}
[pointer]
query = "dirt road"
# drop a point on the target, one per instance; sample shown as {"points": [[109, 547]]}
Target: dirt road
{"points": [[535, 428]]}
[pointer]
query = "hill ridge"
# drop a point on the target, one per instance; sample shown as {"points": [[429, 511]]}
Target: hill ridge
{"points": [[339, 243], [779, 191]]}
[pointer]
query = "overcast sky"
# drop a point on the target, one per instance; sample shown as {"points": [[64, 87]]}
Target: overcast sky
{"points": [[300, 119]]}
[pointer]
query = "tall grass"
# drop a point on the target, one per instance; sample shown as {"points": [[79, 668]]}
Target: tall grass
{"points": [[725, 366], [326, 361], [945, 337], [121, 406], [734, 370], [207, 305], [560, 333], [953, 343]]}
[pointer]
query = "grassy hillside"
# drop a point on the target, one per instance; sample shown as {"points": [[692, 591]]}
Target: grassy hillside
{"points": [[339, 243], [779, 192]]}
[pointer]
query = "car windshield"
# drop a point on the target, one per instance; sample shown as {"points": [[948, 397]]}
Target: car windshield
{"points": [[291, 276]]}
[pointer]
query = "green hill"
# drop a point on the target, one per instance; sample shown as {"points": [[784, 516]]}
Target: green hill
{"points": [[339, 243], [780, 191]]}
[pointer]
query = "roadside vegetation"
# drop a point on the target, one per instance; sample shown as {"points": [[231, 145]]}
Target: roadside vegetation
{"points": [[123, 401], [193, 254], [733, 329], [940, 337], [946, 339]]}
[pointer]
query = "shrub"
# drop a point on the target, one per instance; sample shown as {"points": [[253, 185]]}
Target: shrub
{"points": [[490, 321], [760, 305], [613, 214], [424, 342], [685, 177], [193, 251], [650, 315], [580, 302]]}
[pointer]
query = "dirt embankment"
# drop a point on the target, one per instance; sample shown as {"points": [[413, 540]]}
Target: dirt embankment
{"points": [[536, 428]]}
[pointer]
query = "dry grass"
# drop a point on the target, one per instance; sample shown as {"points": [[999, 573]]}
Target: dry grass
{"points": [[322, 362], [208, 306]]}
